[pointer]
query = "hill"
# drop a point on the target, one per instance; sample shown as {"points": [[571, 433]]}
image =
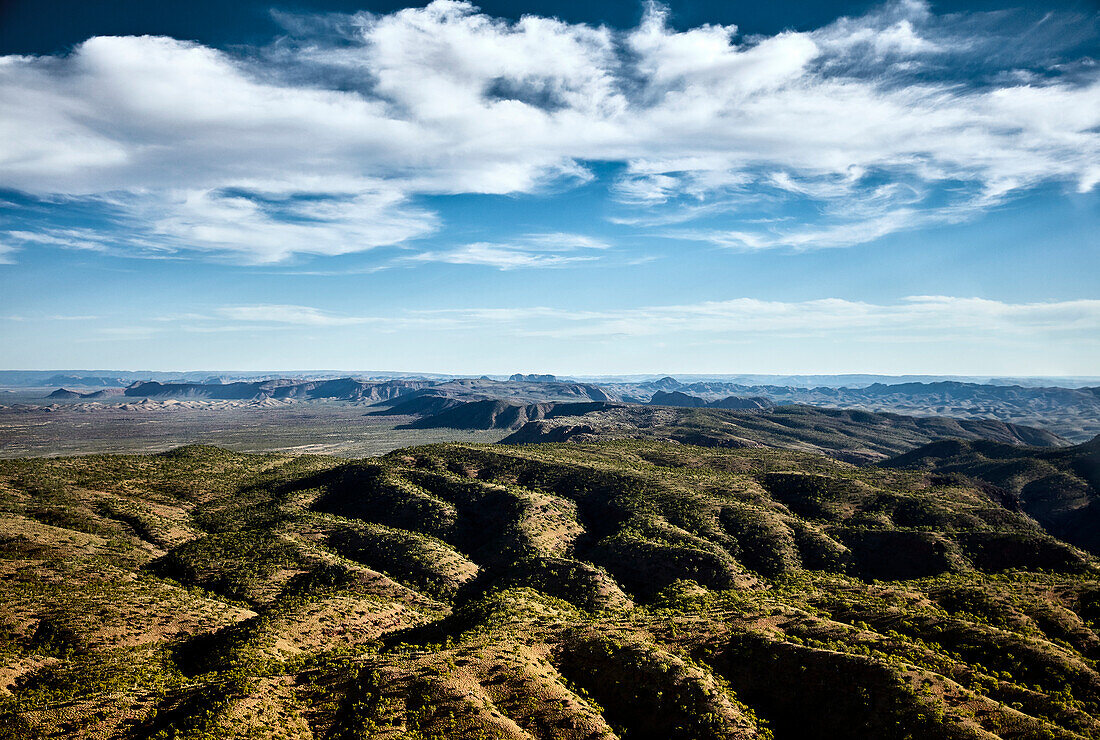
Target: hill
{"points": [[1073, 413], [498, 414], [525, 391], [677, 398], [68, 395], [1059, 488], [858, 436], [614, 590], [419, 405]]}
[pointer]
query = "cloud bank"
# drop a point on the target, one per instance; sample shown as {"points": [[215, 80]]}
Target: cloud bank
{"points": [[916, 318], [325, 141]]}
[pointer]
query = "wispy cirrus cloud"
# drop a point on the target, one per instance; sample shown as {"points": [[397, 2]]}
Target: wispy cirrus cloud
{"points": [[928, 317], [532, 250], [915, 316], [286, 314], [322, 142]]}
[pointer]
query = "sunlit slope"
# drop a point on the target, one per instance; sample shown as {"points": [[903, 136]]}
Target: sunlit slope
{"points": [[625, 589]]}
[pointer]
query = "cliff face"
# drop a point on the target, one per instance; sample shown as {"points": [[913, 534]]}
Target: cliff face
{"points": [[342, 389]]}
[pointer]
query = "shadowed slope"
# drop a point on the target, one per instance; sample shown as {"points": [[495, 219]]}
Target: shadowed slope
{"points": [[1060, 488]]}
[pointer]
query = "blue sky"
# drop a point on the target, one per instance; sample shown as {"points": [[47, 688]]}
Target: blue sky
{"points": [[575, 188]]}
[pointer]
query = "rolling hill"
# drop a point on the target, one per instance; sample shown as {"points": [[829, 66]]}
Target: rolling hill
{"points": [[1059, 488], [678, 398], [858, 436], [631, 589], [1073, 413], [498, 414]]}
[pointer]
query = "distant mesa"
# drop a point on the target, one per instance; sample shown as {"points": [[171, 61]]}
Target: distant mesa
{"points": [[533, 378], [470, 389], [500, 414], [105, 393], [65, 393], [425, 405], [343, 389], [742, 403], [677, 398], [685, 400], [369, 392]]}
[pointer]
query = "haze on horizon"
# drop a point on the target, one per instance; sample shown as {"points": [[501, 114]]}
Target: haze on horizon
{"points": [[691, 187]]}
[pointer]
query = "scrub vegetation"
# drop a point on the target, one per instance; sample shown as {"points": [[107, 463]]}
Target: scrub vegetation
{"points": [[624, 589]]}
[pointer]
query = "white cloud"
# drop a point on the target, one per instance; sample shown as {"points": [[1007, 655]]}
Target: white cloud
{"points": [[929, 318], [562, 241], [320, 146], [501, 256], [287, 314], [531, 250], [933, 320], [886, 31]]}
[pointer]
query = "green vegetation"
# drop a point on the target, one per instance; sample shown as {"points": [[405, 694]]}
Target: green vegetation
{"points": [[854, 436], [626, 589]]}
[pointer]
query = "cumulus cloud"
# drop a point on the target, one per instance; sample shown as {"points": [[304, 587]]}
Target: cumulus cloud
{"points": [[322, 142]]}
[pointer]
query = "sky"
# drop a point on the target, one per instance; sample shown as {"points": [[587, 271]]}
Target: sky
{"points": [[565, 187]]}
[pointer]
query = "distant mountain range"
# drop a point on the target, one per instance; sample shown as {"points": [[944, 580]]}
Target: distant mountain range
{"points": [[355, 391], [84, 379], [342, 389], [856, 436], [1073, 413]]}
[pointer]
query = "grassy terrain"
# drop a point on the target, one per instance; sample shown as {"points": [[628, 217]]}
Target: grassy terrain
{"points": [[631, 589]]}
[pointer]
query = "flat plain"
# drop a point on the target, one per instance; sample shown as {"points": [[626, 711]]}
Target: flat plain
{"points": [[316, 427]]}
